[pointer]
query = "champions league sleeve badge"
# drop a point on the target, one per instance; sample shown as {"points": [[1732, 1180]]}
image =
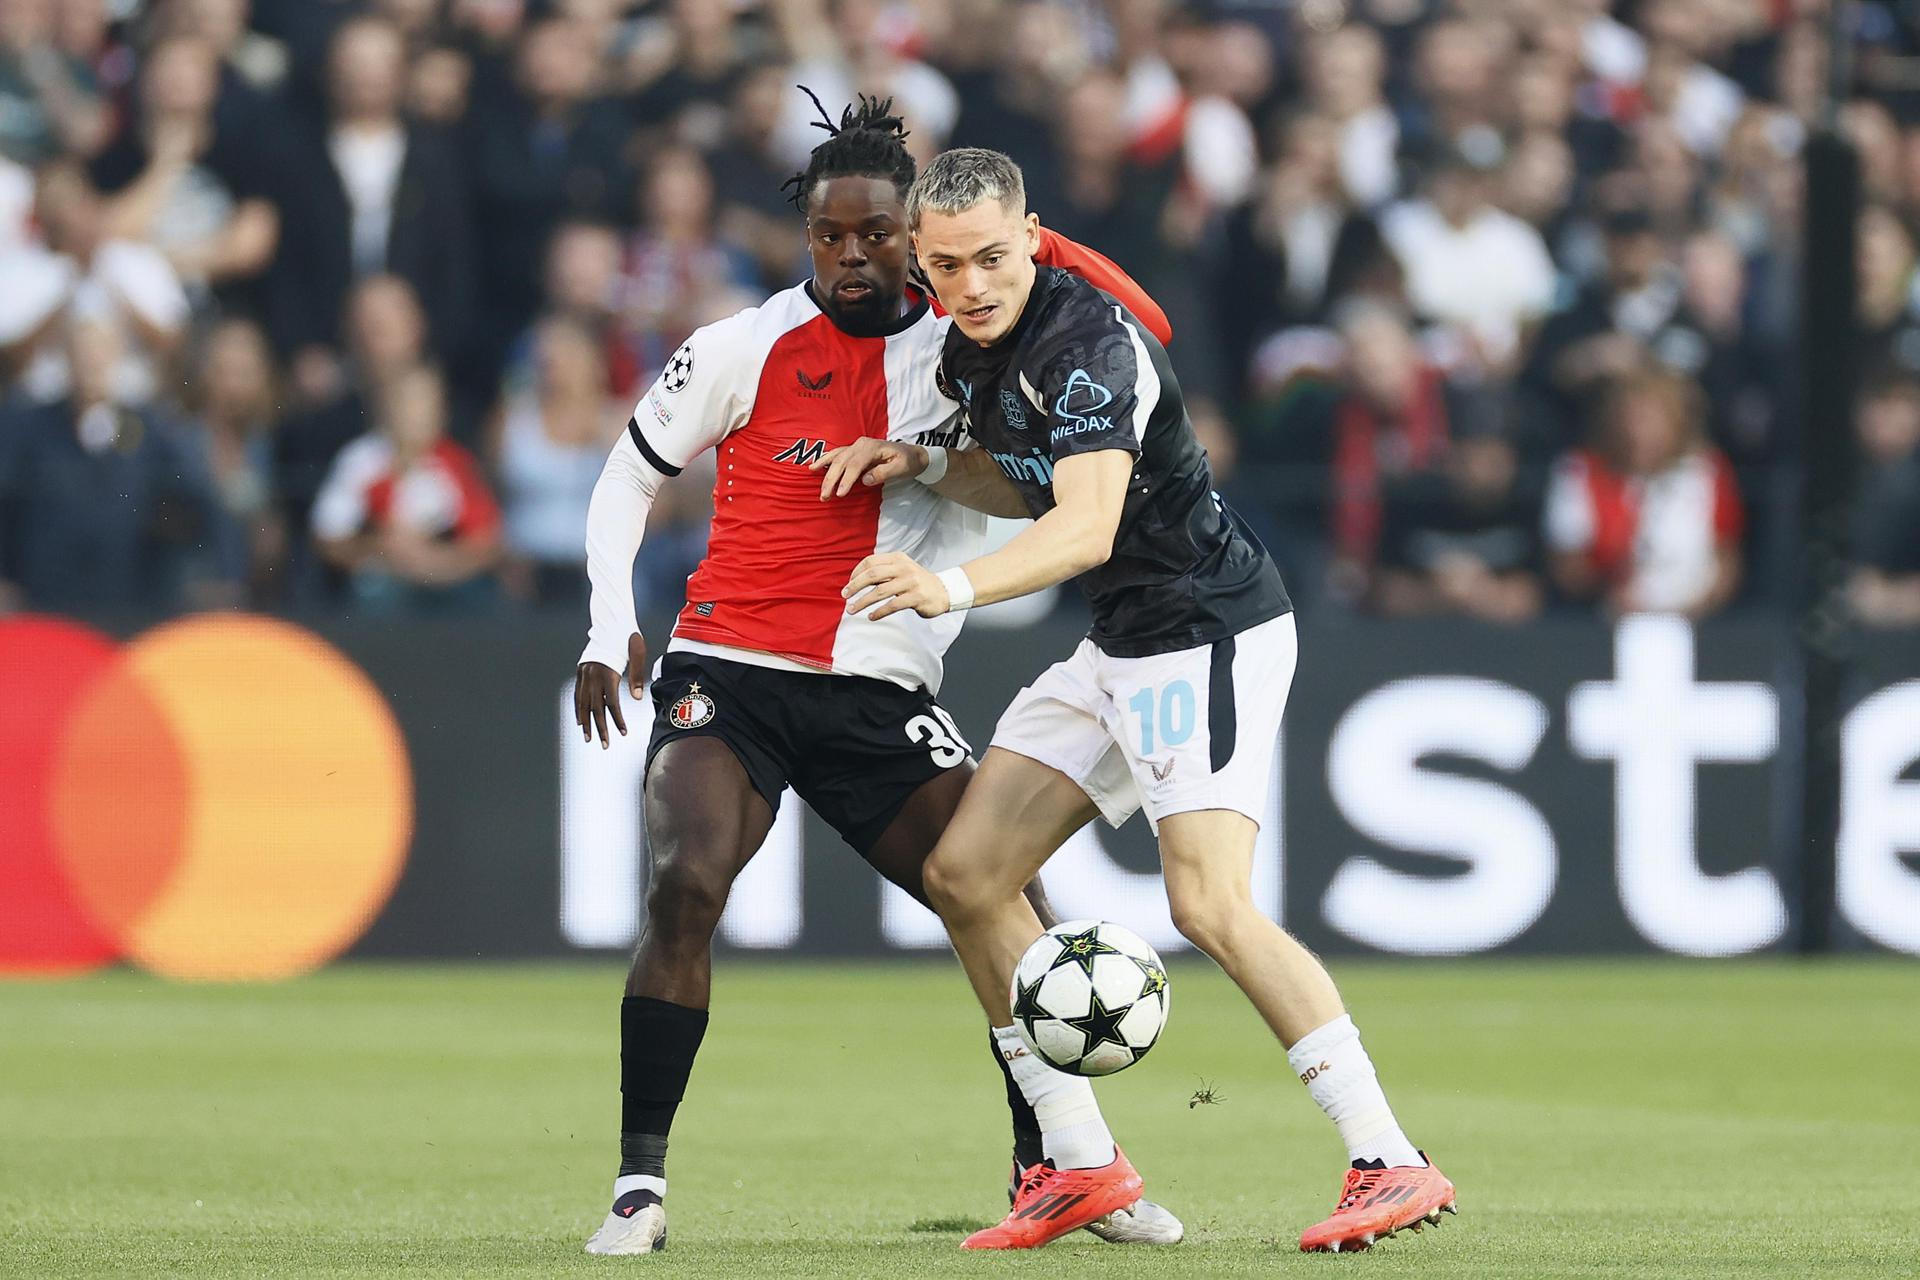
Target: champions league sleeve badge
{"points": [[691, 711]]}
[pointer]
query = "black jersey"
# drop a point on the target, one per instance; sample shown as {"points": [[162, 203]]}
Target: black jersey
{"points": [[1078, 374]]}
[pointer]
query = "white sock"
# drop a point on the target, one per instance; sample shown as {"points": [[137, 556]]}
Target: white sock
{"points": [[1073, 1134], [1338, 1074], [639, 1182]]}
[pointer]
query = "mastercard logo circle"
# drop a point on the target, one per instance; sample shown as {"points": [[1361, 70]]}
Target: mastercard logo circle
{"points": [[224, 797]]}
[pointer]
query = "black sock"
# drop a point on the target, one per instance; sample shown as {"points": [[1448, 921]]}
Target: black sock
{"points": [[658, 1041], [1026, 1125]]}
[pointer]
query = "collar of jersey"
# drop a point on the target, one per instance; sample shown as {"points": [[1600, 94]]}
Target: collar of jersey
{"points": [[907, 319]]}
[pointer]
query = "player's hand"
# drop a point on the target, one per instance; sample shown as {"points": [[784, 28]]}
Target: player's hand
{"points": [[867, 461], [596, 692], [895, 582]]}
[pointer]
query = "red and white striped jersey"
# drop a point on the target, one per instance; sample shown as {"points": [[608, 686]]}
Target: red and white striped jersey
{"points": [[772, 389], [1661, 533]]}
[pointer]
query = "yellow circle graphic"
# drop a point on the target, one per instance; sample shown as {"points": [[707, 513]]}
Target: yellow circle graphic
{"points": [[299, 800]]}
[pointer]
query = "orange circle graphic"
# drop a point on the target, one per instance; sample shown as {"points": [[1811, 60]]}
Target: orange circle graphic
{"points": [[226, 797]]}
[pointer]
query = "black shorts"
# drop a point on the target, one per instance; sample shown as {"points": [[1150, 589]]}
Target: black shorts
{"points": [[852, 747]]}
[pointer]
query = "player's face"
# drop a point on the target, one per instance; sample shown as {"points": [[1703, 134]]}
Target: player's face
{"points": [[980, 263], [857, 233]]}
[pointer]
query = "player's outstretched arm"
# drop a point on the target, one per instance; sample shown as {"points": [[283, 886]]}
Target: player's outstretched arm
{"points": [[616, 522], [1089, 490], [969, 477]]}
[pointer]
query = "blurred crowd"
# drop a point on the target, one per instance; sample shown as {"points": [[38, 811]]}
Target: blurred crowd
{"points": [[1484, 307]]}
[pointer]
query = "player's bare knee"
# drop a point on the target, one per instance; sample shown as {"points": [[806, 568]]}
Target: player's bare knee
{"points": [[954, 890], [1206, 919], [685, 898]]}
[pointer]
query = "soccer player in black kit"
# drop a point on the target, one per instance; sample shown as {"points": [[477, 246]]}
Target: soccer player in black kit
{"points": [[1172, 704]]}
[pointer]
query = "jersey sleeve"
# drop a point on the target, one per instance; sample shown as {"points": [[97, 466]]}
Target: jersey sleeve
{"points": [[701, 396], [1097, 386], [1103, 272], [704, 393]]}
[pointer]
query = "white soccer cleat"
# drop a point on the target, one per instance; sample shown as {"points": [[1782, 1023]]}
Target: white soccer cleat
{"points": [[637, 1223], [1142, 1222]]}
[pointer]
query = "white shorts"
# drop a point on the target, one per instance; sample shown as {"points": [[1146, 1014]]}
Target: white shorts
{"points": [[1171, 733]]}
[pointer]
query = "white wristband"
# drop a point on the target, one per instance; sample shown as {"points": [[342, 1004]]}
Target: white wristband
{"points": [[936, 469], [959, 587]]}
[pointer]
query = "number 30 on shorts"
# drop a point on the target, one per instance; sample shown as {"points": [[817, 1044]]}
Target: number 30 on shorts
{"points": [[1177, 709], [947, 745]]}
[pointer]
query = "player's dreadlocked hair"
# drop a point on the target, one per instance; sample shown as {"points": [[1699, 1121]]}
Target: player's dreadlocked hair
{"points": [[869, 142]]}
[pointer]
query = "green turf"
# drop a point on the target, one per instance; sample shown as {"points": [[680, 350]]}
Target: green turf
{"points": [[1623, 1119]]}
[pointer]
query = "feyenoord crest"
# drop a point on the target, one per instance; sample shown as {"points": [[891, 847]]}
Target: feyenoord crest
{"points": [[678, 370], [693, 710]]}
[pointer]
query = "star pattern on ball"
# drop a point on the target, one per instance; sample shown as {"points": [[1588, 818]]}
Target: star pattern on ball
{"points": [[1154, 978], [1081, 948], [1026, 1002], [1100, 1026]]}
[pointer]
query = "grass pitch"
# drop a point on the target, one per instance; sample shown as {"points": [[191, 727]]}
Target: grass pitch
{"points": [[1628, 1119]]}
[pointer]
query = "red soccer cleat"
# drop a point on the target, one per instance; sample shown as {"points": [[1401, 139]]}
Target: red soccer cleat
{"points": [[1051, 1202], [1376, 1202]]}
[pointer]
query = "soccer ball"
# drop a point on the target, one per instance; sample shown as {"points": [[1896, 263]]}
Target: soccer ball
{"points": [[1090, 997]]}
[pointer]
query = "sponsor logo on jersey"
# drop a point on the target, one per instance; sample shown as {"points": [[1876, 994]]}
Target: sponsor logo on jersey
{"points": [[1033, 465], [1013, 409], [679, 370], [802, 452], [1159, 774], [1079, 404], [947, 439], [704, 608], [691, 711], [814, 388], [659, 407], [965, 389]]}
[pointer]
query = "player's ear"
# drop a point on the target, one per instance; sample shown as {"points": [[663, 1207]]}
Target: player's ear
{"points": [[1032, 228]]}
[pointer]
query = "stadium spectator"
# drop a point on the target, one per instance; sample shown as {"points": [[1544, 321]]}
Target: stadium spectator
{"points": [[101, 504], [1649, 520], [81, 273], [749, 175], [386, 336], [684, 67], [1482, 272], [679, 273], [843, 47], [1346, 83], [200, 193], [549, 444], [545, 150], [232, 434], [1609, 326], [1392, 420], [1885, 586], [1464, 538], [49, 100], [406, 512], [371, 193], [583, 287], [1889, 304], [253, 67]]}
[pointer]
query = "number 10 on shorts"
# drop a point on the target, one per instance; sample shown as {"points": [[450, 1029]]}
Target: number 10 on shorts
{"points": [[1176, 707]]}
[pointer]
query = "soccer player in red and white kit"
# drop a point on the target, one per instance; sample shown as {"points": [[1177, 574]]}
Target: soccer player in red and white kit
{"points": [[766, 682]]}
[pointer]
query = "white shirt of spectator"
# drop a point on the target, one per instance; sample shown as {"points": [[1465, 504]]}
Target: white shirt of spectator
{"points": [[1491, 276], [368, 162], [1674, 540], [922, 95], [1368, 145], [1223, 156], [125, 276]]}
